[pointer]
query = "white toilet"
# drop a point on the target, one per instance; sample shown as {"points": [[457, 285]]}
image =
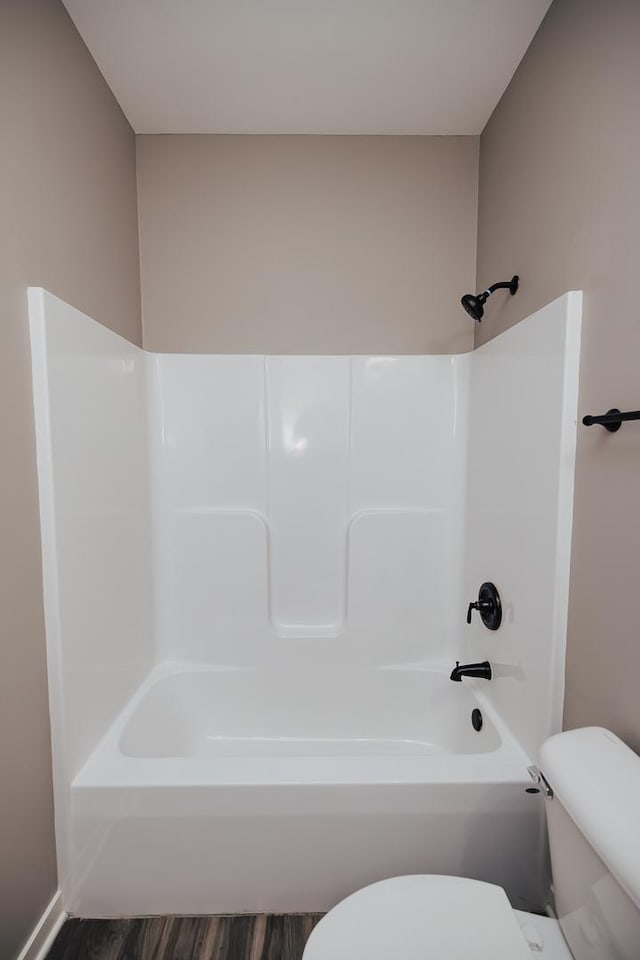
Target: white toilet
{"points": [[594, 835]]}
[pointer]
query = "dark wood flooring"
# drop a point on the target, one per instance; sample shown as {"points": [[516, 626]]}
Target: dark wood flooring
{"points": [[259, 937]]}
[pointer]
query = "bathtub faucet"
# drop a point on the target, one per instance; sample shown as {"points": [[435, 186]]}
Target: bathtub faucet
{"points": [[482, 670]]}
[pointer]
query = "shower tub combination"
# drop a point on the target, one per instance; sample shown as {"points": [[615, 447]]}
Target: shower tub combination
{"points": [[243, 790], [256, 575]]}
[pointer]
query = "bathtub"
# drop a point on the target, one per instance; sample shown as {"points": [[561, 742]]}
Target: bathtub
{"points": [[223, 790]]}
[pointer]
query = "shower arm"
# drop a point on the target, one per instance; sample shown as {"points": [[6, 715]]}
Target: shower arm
{"points": [[503, 285]]}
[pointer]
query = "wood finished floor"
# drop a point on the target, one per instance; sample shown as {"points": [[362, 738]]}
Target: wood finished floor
{"points": [[260, 937]]}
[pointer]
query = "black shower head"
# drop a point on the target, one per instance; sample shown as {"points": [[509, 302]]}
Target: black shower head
{"points": [[474, 305]]}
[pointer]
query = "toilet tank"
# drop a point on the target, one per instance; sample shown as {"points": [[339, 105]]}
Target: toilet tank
{"points": [[594, 838]]}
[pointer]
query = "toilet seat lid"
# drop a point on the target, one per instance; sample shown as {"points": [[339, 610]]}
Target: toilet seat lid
{"points": [[419, 918]]}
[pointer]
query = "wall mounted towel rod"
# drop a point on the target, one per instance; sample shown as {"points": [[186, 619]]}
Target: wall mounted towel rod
{"points": [[612, 420]]}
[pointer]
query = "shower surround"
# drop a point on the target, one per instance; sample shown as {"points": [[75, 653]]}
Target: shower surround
{"points": [[306, 506], [256, 572]]}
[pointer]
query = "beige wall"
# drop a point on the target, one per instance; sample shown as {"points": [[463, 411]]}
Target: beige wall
{"points": [[68, 222], [560, 205], [302, 244]]}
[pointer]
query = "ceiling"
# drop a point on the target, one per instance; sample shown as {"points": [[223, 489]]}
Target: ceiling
{"points": [[308, 66]]}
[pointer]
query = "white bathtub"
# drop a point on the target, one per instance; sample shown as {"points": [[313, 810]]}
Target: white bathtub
{"points": [[238, 790]]}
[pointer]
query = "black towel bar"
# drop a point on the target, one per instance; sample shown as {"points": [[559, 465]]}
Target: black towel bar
{"points": [[612, 420]]}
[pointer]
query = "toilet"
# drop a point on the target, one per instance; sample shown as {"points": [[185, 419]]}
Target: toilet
{"points": [[593, 817]]}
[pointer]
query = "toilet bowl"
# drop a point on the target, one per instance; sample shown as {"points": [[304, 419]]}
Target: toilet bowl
{"points": [[593, 816]]}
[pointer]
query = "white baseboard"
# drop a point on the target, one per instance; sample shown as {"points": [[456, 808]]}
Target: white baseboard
{"points": [[45, 930]]}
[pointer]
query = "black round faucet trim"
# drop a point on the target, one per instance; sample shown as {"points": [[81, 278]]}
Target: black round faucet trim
{"points": [[488, 605], [476, 720]]}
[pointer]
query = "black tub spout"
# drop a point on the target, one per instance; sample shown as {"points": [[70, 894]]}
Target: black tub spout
{"points": [[482, 670]]}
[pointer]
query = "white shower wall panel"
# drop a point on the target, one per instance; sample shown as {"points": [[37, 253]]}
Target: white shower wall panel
{"points": [[409, 431], [307, 506], [90, 417], [89, 400], [522, 440], [208, 423], [407, 490], [308, 416], [208, 495], [397, 577]]}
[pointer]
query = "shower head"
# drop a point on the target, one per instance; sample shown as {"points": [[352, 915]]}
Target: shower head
{"points": [[474, 304]]}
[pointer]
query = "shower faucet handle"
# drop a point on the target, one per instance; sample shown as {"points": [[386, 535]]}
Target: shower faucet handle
{"points": [[480, 606], [488, 606]]}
